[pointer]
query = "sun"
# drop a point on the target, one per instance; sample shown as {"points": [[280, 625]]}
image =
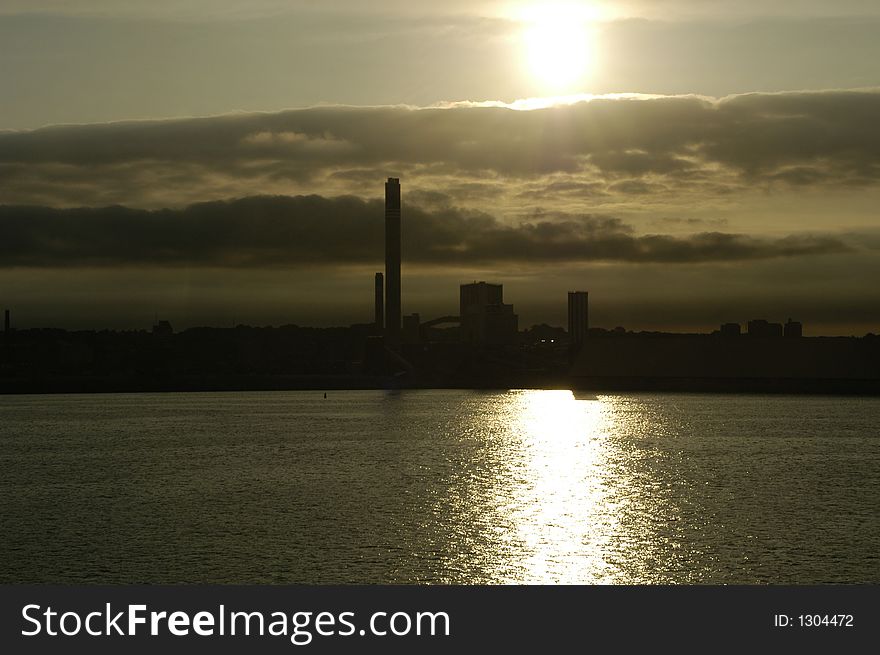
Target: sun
{"points": [[558, 45]]}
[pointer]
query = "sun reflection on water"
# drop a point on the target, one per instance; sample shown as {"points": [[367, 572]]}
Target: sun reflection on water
{"points": [[544, 487], [560, 506]]}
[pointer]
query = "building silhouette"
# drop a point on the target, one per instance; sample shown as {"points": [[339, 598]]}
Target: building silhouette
{"points": [[730, 330], [578, 317], [392, 259], [793, 329], [485, 319], [379, 320], [761, 328], [7, 337], [410, 329], [162, 329]]}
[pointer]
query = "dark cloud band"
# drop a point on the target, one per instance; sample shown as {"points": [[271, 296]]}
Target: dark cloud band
{"points": [[664, 135], [312, 230], [607, 147]]}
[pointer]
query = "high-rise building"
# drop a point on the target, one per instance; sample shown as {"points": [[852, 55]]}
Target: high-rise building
{"points": [[793, 329], [380, 303], [392, 259], [578, 317], [479, 294], [485, 319]]}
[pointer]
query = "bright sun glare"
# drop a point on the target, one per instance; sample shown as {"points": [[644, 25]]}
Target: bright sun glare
{"points": [[559, 45]]}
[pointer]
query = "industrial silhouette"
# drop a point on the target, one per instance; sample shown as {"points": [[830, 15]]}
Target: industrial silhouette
{"points": [[392, 260], [578, 317], [480, 347], [379, 320], [485, 319]]}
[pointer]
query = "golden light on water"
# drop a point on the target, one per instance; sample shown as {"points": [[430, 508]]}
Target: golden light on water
{"points": [[549, 487], [563, 515]]}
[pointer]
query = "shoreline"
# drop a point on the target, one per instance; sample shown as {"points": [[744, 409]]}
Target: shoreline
{"points": [[605, 384]]}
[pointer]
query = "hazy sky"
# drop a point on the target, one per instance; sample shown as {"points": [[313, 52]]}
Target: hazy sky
{"points": [[686, 161]]}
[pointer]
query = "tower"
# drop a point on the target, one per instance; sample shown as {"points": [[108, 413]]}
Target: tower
{"points": [[380, 303], [392, 259], [578, 317], [7, 337]]}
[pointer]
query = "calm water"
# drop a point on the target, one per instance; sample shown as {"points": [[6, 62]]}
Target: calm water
{"points": [[439, 487]]}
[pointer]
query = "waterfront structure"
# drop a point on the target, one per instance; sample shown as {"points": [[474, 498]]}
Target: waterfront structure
{"points": [[700, 362], [410, 330], [162, 329], [392, 259], [578, 317], [485, 319], [379, 316], [761, 328], [730, 330], [793, 329], [7, 336]]}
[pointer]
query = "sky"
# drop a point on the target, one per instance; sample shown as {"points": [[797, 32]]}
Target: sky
{"points": [[687, 162]]}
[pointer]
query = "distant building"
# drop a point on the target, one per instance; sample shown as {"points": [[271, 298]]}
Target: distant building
{"points": [[379, 320], [485, 319], [730, 330], [578, 317], [761, 328], [411, 324], [793, 329], [7, 322], [162, 329], [544, 335], [479, 294], [374, 355]]}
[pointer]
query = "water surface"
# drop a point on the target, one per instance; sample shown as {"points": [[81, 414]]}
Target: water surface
{"points": [[439, 487]]}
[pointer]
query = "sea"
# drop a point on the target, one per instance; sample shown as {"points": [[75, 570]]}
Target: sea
{"points": [[439, 487]]}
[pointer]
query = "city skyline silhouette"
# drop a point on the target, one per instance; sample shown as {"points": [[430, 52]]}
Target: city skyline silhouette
{"points": [[351, 298], [651, 156], [481, 346], [682, 221]]}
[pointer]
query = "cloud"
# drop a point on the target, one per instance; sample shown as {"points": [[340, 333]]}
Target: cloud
{"points": [[618, 146], [228, 9], [677, 9], [268, 231], [664, 9]]}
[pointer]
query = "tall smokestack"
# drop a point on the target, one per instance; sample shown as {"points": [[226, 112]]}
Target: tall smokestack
{"points": [[7, 339], [380, 303], [392, 259], [578, 317]]}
